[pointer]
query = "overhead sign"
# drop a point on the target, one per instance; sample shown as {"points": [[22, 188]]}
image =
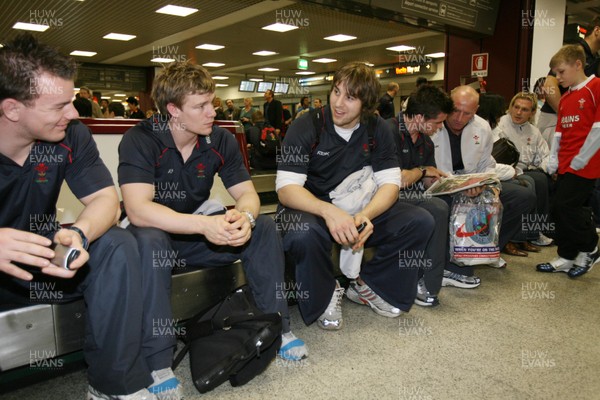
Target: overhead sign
{"points": [[302, 63], [479, 64]]}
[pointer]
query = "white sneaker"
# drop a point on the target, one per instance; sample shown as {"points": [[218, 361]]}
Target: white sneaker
{"points": [[292, 348], [166, 386], [460, 281], [142, 394], [542, 240], [332, 319], [363, 294]]}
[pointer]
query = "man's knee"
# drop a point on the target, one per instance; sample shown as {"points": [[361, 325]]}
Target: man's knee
{"points": [[305, 237], [115, 238], [151, 236]]}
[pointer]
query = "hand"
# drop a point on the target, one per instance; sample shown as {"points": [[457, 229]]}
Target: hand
{"points": [[341, 226], [474, 192], [364, 235], [433, 172], [25, 248], [240, 227], [68, 238], [229, 229]]}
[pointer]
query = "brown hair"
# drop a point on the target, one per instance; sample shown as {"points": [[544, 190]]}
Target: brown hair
{"points": [[362, 83], [178, 80], [23, 60]]}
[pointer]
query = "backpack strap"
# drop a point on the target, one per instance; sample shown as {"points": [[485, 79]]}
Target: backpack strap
{"points": [[318, 117], [371, 127]]}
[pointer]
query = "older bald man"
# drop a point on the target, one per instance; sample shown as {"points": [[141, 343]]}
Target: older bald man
{"points": [[464, 146]]}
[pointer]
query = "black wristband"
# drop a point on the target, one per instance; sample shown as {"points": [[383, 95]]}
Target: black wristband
{"points": [[84, 240]]}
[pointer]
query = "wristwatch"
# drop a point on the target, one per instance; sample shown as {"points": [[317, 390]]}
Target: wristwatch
{"points": [[423, 171], [250, 218], [84, 240]]}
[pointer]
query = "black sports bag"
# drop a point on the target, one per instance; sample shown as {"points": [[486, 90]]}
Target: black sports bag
{"points": [[232, 341]]}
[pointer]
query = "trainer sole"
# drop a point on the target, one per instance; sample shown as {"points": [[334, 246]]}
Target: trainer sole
{"points": [[458, 284]]}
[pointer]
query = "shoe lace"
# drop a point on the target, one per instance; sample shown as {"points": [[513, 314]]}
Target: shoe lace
{"points": [[421, 288], [336, 300]]}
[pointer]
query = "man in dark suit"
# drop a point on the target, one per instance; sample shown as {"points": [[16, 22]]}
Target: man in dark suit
{"points": [[273, 111]]}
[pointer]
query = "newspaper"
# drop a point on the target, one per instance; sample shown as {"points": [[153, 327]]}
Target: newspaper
{"points": [[458, 183]]}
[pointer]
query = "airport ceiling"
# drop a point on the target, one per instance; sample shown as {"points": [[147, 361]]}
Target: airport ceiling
{"points": [[235, 24]]}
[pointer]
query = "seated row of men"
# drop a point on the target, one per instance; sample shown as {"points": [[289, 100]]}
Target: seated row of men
{"points": [[179, 151]]}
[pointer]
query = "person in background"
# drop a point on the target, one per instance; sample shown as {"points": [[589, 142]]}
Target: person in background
{"points": [[386, 103], [116, 109], [533, 156], [258, 160], [218, 106], [231, 112], [246, 113], [273, 111], [317, 103], [420, 82], [304, 105], [87, 94], [491, 108], [104, 107], [538, 90], [135, 111], [83, 107]]}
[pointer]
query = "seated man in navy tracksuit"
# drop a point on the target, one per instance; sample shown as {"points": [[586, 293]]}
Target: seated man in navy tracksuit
{"points": [[42, 145], [311, 166], [167, 166]]}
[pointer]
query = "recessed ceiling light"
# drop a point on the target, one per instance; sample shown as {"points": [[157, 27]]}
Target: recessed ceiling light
{"points": [[162, 60], [277, 27], [30, 27], [305, 73], [177, 10], [118, 36], [213, 64], [268, 69], [207, 46], [368, 64], [400, 48], [221, 84], [106, 97], [340, 38], [120, 95], [220, 78], [82, 53], [436, 55], [256, 79], [325, 60], [264, 53]]}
